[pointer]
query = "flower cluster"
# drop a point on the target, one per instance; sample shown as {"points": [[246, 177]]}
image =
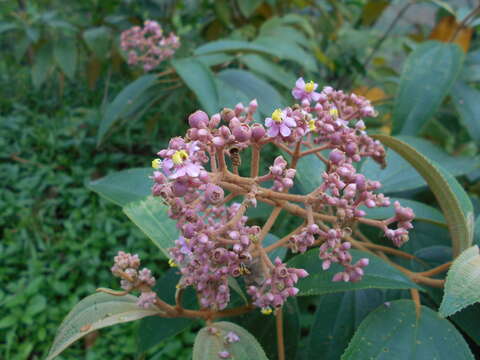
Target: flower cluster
{"points": [[148, 46], [126, 268], [198, 177]]}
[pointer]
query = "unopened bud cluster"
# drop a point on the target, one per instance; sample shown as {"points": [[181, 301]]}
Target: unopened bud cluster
{"points": [[198, 177], [147, 46]]}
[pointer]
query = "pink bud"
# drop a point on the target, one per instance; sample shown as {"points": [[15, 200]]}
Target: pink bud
{"points": [[258, 132], [198, 119]]}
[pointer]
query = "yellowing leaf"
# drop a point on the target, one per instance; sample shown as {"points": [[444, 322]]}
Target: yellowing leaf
{"points": [[447, 31]]}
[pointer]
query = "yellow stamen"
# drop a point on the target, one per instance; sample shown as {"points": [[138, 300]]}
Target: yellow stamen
{"points": [[311, 125], [179, 157], [266, 310], [171, 263], [334, 112], [309, 87], [277, 115], [156, 163]]}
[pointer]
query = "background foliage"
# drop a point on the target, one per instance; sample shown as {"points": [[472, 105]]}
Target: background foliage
{"points": [[65, 121]]}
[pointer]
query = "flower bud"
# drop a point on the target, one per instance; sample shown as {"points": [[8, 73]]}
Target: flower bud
{"points": [[258, 132], [242, 132], [214, 194], [199, 119]]}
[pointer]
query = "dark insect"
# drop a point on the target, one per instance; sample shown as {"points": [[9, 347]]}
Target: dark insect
{"points": [[234, 153]]}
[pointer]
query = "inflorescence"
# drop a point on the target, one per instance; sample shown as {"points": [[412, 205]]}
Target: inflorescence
{"points": [[147, 46], [198, 177]]}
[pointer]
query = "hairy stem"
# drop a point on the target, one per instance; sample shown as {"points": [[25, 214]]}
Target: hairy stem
{"points": [[280, 341]]}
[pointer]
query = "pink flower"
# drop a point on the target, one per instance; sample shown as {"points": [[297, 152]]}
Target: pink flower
{"points": [[280, 123], [303, 90]]}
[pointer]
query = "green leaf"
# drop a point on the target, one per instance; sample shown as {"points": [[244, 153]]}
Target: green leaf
{"points": [[231, 46], [151, 216], [422, 211], [248, 7], [309, 173], [130, 97], [279, 251], [279, 28], [465, 99], [7, 26], [65, 53], [467, 320], [335, 321], [262, 327], [42, 65], [99, 41], [95, 312], [288, 51], [269, 69], [209, 343], [454, 202], [428, 75], [155, 329], [199, 78], [400, 175], [463, 283], [378, 274], [254, 88], [214, 59], [124, 186], [395, 332]]}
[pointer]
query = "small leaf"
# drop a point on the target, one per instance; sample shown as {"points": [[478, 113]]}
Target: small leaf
{"points": [[454, 202], [378, 274], [65, 53], [211, 340], [395, 332], [428, 75], [463, 283], [255, 88], [199, 78], [465, 100], [95, 312], [151, 216], [129, 98], [124, 186], [99, 41]]}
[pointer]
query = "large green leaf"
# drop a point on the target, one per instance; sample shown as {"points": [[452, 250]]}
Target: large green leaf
{"points": [[211, 340], [131, 97], [230, 46], [255, 88], [422, 211], [65, 53], [462, 287], [95, 312], [199, 78], [154, 329], [465, 98], [261, 65], [281, 28], [395, 332], [400, 175], [378, 274], [151, 216], [428, 74], [336, 318], [124, 186], [454, 202], [264, 326]]}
